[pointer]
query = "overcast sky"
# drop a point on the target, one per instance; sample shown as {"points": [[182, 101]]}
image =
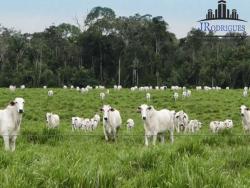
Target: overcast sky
{"points": [[181, 15]]}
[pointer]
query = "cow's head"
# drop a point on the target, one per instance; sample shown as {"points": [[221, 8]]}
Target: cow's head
{"points": [[181, 118], [106, 109], [19, 103], [243, 108], [145, 111], [48, 116]]}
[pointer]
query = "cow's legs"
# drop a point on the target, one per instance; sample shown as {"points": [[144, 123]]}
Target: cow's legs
{"points": [[6, 140], [154, 138], [146, 139], [13, 143], [105, 134], [172, 136], [162, 136]]}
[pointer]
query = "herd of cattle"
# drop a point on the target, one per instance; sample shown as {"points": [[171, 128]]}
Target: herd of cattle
{"points": [[156, 122]]}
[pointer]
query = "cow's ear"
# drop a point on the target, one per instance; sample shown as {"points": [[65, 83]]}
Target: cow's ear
{"points": [[12, 103], [112, 109], [247, 109], [139, 109], [101, 109]]}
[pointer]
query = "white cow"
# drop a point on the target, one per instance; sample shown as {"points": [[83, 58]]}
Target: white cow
{"points": [[148, 96], [22, 86], [181, 121], [50, 93], [65, 87], [76, 123], [245, 93], [176, 96], [52, 120], [157, 123], [94, 123], [214, 126], [44, 87], [97, 118], [130, 124], [228, 123], [102, 96], [193, 126], [12, 88], [245, 115], [111, 122], [10, 122]]}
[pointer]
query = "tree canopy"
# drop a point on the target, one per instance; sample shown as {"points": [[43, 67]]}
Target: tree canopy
{"points": [[139, 47]]}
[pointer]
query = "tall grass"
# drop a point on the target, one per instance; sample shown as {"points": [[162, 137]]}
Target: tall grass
{"points": [[62, 158]]}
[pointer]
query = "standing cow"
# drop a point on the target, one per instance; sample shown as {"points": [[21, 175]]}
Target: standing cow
{"points": [[157, 123], [111, 122], [10, 122]]}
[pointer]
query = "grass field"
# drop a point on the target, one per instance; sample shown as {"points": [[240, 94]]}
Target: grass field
{"points": [[62, 158]]}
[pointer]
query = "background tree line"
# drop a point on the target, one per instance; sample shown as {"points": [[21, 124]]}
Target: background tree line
{"points": [[134, 50]]}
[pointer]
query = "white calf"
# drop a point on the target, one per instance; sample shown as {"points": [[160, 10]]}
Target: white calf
{"points": [[193, 126], [52, 120], [10, 122], [130, 124]]}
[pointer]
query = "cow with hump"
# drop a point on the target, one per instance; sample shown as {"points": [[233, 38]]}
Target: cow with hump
{"points": [[157, 123], [10, 122]]}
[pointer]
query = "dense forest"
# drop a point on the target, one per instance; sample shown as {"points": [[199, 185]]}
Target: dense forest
{"points": [[135, 50]]}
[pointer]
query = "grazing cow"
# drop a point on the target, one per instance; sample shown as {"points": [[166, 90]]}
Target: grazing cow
{"points": [[176, 96], [245, 115], [65, 87], [130, 124], [107, 91], [227, 88], [22, 86], [71, 87], [245, 93], [10, 122], [50, 93], [44, 87], [77, 88], [52, 120], [193, 126], [111, 122], [181, 121], [148, 97], [157, 123], [102, 96]]}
